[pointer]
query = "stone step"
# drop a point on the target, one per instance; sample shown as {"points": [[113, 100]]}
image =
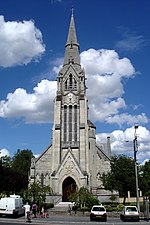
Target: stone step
{"points": [[62, 206], [65, 204]]}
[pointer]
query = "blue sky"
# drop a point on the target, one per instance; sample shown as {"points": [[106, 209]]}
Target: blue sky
{"points": [[114, 38]]}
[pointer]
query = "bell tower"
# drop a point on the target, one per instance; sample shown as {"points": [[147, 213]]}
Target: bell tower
{"points": [[70, 110], [73, 160]]}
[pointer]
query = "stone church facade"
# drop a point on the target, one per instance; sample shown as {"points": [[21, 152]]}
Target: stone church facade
{"points": [[73, 160]]}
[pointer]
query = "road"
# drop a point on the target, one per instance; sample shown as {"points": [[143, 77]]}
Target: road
{"points": [[67, 220]]}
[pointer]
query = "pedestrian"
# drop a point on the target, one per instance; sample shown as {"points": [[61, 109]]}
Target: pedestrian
{"points": [[27, 211], [69, 209], [42, 212], [34, 209]]}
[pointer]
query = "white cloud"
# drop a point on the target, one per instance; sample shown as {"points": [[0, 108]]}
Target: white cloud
{"points": [[122, 142], [143, 163], [20, 42], [105, 72], [104, 61], [34, 108], [4, 152], [55, 1], [127, 118], [130, 41], [36, 155]]}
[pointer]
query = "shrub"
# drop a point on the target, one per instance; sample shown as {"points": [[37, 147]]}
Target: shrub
{"points": [[48, 205]]}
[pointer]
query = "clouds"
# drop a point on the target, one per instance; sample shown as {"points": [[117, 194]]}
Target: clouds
{"points": [[20, 43], [36, 107], [130, 41], [4, 152], [105, 61], [128, 119], [122, 142], [105, 72]]}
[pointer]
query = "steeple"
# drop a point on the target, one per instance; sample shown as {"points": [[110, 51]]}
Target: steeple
{"points": [[72, 46]]}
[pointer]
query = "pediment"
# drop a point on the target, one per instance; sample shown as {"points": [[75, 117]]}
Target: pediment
{"points": [[101, 154], [69, 166], [71, 70]]}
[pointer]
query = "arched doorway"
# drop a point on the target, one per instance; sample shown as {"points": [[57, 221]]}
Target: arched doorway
{"points": [[68, 187]]}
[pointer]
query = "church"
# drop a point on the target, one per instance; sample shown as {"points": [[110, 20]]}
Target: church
{"points": [[73, 159]]}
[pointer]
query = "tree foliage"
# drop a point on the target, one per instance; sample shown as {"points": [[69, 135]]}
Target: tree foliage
{"points": [[37, 193], [5, 161], [83, 198], [122, 175], [144, 180], [21, 161], [14, 172]]}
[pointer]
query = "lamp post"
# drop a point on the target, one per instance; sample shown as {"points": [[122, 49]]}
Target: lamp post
{"points": [[135, 145]]}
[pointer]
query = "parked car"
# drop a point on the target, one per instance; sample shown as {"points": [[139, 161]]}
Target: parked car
{"points": [[129, 213], [98, 212]]}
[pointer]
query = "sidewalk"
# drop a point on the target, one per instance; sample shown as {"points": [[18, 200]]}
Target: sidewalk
{"points": [[37, 220]]}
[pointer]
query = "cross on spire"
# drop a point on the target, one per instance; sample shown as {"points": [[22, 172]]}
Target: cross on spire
{"points": [[72, 10]]}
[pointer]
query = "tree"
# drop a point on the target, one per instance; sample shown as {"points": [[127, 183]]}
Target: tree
{"points": [[83, 198], [144, 180], [113, 198], [21, 165], [5, 161], [21, 161], [122, 175], [14, 172], [37, 193]]}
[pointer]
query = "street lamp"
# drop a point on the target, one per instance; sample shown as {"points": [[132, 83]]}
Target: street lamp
{"points": [[135, 145]]}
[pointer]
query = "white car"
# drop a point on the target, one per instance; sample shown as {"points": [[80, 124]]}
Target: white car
{"points": [[98, 212], [129, 213]]}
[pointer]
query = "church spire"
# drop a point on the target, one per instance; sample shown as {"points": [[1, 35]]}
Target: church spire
{"points": [[72, 46]]}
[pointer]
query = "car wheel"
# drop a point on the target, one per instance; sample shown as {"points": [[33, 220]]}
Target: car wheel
{"points": [[122, 218]]}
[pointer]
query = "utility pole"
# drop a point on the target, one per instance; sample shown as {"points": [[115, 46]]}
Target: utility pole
{"points": [[135, 145]]}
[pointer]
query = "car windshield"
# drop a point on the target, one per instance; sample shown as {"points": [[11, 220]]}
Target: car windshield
{"points": [[101, 209], [131, 209]]}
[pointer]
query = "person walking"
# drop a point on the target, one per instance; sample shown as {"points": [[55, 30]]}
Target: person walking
{"points": [[69, 209], [34, 209], [27, 211]]}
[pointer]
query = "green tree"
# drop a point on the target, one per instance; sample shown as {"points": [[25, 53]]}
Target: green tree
{"points": [[144, 180], [37, 193], [122, 175], [14, 172], [113, 198], [21, 161], [83, 199], [20, 168], [5, 161]]}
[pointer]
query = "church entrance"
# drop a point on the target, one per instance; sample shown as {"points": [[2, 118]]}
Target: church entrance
{"points": [[68, 187]]}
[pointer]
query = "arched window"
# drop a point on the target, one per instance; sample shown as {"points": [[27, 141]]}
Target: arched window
{"points": [[75, 84], [65, 124], [70, 81], [70, 123], [75, 123], [42, 179], [66, 85]]}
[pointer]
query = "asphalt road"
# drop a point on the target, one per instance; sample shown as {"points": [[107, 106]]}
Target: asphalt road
{"points": [[67, 220]]}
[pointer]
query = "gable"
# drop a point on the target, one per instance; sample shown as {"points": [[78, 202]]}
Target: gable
{"points": [[101, 153], [69, 167]]}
